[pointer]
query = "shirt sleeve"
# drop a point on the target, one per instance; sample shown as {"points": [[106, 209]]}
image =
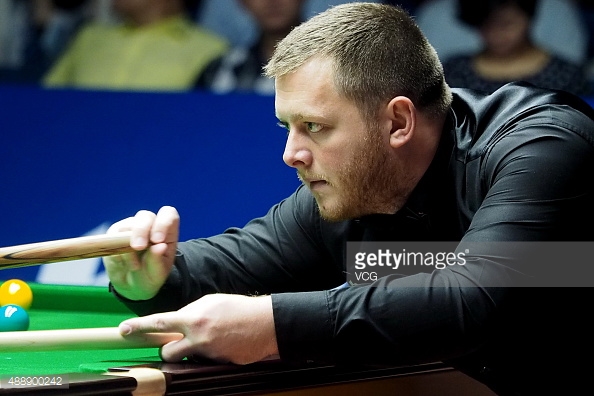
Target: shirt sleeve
{"points": [[282, 251]]}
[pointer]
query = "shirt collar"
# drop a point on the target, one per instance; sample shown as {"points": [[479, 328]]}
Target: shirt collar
{"points": [[426, 196]]}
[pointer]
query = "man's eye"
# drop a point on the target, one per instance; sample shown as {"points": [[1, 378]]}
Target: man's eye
{"points": [[313, 127], [283, 125]]}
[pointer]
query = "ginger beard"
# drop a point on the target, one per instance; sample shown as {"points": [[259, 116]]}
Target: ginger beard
{"points": [[371, 182]]}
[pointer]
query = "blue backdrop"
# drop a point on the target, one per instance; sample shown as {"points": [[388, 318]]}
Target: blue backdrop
{"points": [[72, 162]]}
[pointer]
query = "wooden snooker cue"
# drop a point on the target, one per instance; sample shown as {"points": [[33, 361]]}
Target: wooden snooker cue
{"points": [[65, 250], [80, 339]]}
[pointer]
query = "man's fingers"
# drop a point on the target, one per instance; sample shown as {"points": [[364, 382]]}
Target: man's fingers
{"points": [[123, 262], [157, 323], [120, 226], [165, 228], [176, 351], [159, 249], [141, 229], [150, 228]]}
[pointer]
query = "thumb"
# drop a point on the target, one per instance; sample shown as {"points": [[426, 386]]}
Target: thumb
{"points": [[176, 351]]}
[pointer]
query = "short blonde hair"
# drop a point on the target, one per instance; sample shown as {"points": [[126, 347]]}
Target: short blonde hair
{"points": [[378, 52]]}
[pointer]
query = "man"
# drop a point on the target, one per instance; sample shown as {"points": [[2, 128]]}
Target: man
{"points": [[386, 152]]}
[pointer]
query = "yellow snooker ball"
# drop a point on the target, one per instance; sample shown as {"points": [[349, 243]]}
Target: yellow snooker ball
{"points": [[15, 291]]}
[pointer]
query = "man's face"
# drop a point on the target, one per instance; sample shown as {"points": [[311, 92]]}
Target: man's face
{"points": [[348, 165]]}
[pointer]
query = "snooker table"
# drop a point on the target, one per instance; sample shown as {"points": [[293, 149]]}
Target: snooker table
{"points": [[140, 371]]}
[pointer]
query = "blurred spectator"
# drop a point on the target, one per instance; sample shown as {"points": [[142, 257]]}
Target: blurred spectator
{"points": [[509, 54], [240, 70], [34, 33], [557, 27], [587, 12], [14, 17], [56, 23], [230, 20], [154, 46]]}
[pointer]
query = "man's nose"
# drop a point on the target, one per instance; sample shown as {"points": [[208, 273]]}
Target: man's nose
{"points": [[296, 152]]}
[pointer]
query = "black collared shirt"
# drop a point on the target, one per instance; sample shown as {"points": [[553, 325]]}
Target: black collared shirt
{"points": [[517, 165]]}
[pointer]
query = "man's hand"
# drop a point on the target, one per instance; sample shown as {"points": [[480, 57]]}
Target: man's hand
{"points": [[223, 327], [139, 276]]}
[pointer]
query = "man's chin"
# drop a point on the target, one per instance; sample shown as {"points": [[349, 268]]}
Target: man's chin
{"points": [[332, 217], [333, 212], [340, 211]]}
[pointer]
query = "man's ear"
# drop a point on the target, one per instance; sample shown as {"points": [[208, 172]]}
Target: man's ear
{"points": [[402, 114]]}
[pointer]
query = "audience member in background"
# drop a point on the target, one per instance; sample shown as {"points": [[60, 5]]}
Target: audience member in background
{"points": [[155, 46], [509, 53], [34, 33], [587, 12], [557, 26], [240, 69], [230, 20]]}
